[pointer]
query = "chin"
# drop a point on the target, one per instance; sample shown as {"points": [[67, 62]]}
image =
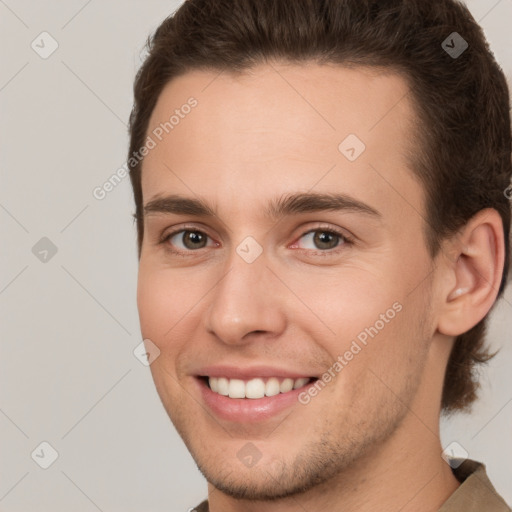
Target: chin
{"points": [[258, 484], [272, 478]]}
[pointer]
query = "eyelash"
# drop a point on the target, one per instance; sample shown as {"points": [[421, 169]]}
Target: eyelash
{"points": [[345, 240]]}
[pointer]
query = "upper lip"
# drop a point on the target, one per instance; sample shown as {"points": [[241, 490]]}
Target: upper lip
{"points": [[239, 372]]}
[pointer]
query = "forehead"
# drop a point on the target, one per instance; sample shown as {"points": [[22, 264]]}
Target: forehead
{"points": [[282, 128]]}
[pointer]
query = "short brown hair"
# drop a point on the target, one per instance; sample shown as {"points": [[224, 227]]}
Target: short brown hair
{"points": [[464, 148]]}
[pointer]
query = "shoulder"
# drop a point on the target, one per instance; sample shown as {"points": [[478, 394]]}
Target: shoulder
{"points": [[476, 492], [202, 507]]}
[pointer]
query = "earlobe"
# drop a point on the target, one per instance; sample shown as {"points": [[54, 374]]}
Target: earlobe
{"points": [[475, 274]]}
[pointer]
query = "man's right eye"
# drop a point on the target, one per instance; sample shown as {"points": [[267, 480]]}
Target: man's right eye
{"points": [[186, 240]]}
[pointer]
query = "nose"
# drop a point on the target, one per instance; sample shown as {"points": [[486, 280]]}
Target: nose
{"points": [[247, 303]]}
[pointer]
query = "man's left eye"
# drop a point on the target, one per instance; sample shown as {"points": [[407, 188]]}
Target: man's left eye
{"points": [[323, 239]]}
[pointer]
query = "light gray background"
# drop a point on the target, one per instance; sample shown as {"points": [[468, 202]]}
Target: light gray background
{"points": [[70, 325]]}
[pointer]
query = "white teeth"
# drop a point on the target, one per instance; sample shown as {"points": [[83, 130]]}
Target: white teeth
{"points": [[299, 383], [286, 385], [272, 387], [236, 388], [214, 384], [222, 386], [254, 388]]}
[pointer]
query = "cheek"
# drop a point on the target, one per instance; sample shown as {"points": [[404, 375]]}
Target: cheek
{"points": [[375, 378], [164, 304], [392, 359], [164, 314], [341, 304], [370, 319], [151, 300]]}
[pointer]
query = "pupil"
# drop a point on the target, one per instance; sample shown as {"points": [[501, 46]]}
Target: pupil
{"points": [[192, 238], [323, 239]]}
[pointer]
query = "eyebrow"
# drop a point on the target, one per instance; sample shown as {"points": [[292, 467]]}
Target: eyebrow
{"points": [[286, 205]]}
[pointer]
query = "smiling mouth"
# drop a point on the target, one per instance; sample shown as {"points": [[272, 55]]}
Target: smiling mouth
{"points": [[254, 388]]}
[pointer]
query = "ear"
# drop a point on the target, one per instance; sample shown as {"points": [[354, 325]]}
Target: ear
{"points": [[472, 275]]}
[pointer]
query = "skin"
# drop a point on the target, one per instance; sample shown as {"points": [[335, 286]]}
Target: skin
{"points": [[370, 439]]}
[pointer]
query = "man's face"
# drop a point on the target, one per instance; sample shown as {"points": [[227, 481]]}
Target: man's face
{"points": [[251, 296]]}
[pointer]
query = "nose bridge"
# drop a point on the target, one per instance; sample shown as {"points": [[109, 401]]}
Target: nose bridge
{"points": [[240, 301]]}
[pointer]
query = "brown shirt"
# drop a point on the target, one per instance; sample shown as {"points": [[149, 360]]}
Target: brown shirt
{"points": [[475, 494]]}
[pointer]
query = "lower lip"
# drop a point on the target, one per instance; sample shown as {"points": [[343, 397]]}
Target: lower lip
{"points": [[248, 410]]}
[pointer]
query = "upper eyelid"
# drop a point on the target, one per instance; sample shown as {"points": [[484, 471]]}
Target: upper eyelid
{"points": [[174, 232], [204, 230], [348, 238]]}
